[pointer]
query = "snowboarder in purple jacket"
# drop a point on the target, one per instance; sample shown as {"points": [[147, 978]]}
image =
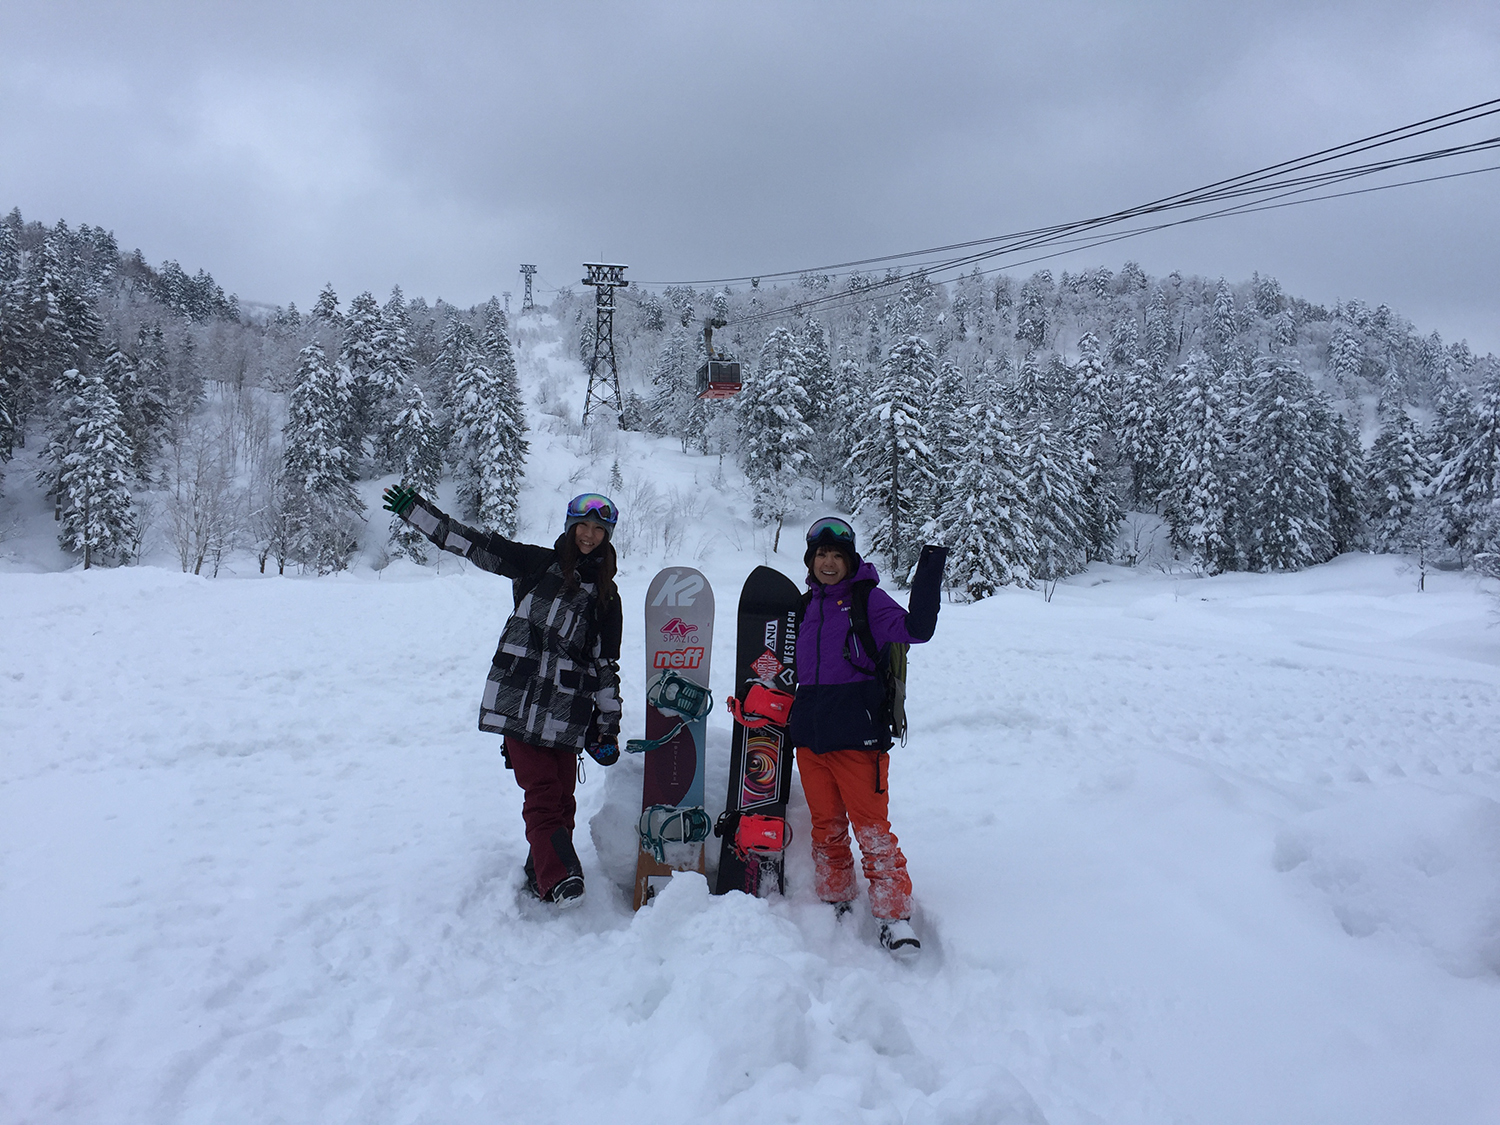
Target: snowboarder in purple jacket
{"points": [[840, 726]]}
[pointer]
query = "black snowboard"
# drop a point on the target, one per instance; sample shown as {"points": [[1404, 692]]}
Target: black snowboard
{"points": [[760, 763]]}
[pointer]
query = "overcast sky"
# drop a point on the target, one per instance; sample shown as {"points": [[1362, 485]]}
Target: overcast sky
{"points": [[439, 145]]}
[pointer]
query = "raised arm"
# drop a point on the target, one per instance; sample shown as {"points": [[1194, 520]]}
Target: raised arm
{"points": [[484, 549], [890, 623]]}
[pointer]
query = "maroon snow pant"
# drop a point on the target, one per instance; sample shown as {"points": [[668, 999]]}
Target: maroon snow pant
{"points": [[547, 777]]}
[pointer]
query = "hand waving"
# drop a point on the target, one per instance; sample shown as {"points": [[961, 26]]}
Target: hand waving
{"points": [[399, 499]]}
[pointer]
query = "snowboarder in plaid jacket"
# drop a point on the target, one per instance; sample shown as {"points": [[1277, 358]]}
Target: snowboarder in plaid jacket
{"points": [[553, 689], [840, 720]]}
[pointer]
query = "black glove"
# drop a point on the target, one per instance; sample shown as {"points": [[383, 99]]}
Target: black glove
{"points": [[399, 499], [606, 753], [926, 593]]}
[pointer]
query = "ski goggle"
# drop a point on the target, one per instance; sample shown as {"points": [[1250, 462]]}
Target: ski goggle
{"points": [[831, 531], [591, 505]]}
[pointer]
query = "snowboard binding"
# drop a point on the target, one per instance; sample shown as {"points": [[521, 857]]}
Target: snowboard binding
{"points": [[661, 825], [673, 694], [763, 706], [752, 834]]}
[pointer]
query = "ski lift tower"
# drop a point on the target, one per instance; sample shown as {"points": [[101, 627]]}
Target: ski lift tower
{"points": [[526, 305], [604, 373]]}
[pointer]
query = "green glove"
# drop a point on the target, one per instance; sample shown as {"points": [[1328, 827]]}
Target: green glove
{"points": [[399, 499]]}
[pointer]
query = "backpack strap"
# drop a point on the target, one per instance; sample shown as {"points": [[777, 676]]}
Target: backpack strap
{"points": [[859, 619]]}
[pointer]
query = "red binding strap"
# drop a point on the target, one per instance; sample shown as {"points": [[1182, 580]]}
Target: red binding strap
{"points": [[763, 706], [760, 835]]}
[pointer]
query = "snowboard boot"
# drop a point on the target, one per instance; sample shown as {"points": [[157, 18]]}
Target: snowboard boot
{"points": [[840, 909], [569, 892], [898, 936], [536, 891]]}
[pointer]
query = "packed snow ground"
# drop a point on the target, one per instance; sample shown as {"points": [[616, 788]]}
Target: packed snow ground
{"points": [[1186, 850]]}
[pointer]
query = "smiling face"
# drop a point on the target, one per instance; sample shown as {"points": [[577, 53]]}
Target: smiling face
{"points": [[830, 565], [588, 535]]}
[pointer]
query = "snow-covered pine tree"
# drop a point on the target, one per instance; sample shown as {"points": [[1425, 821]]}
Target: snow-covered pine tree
{"points": [[775, 439], [389, 368], [512, 407], [320, 500], [1287, 504], [947, 427], [325, 309], [360, 356], [1344, 473], [1092, 394], [1468, 483], [845, 421], [1454, 427], [1159, 342], [874, 345], [359, 345], [152, 369], [51, 346], [1197, 493], [1398, 474], [142, 411], [1031, 313], [1053, 480], [672, 389], [13, 363], [494, 335], [1032, 392], [1140, 426], [817, 370], [1101, 508], [1088, 420], [91, 459], [488, 452], [416, 446], [892, 459], [1223, 331], [986, 523], [1346, 359]]}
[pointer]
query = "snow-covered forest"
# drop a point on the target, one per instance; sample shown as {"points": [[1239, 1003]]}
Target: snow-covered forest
{"points": [[1018, 420]]}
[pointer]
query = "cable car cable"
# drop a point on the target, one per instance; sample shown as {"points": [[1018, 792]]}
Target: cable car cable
{"points": [[1205, 193], [856, 297], [1258, 203]]}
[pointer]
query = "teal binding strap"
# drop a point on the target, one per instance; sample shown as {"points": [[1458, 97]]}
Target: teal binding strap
{"points": [[661, 825], [673, 694]]}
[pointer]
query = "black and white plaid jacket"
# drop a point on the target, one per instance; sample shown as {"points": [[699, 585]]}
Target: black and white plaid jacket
{"points": [[555, 679]]}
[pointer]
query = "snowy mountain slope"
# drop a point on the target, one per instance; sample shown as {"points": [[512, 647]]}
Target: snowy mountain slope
{"points": [[1220, 850]]}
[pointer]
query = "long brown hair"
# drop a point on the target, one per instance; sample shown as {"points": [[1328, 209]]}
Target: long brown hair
{"points": [[605, 566]]}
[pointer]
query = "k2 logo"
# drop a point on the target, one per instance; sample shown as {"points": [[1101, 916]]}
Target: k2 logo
{"points": [[679, 589]]}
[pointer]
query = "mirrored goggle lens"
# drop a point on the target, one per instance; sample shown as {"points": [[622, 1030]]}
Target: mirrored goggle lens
{"points": [[832, 528], [593, 504]]}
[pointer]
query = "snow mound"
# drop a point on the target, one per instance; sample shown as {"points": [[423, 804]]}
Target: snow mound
{"points": [[1407, 862]]}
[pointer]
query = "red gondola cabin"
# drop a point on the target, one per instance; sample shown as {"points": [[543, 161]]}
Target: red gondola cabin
{"points": [[719, 378]]}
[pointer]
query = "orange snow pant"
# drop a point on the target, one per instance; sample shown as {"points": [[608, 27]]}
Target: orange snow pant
{"points": [[844, 787]]}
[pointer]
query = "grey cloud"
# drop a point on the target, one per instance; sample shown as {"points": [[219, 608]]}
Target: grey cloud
{"points": [[437, 146]]}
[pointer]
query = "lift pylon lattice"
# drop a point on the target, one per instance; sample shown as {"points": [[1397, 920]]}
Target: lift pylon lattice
{"points": [[604, 372], [526, 305]]}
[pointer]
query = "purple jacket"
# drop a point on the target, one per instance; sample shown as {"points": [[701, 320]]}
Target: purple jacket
{"points": [[839, 699]]}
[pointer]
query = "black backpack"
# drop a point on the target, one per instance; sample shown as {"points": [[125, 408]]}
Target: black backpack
{"points": [[890, 660]]}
